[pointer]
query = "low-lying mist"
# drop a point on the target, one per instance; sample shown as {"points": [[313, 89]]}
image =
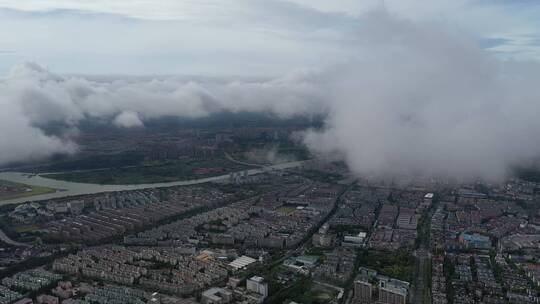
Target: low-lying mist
{"points": [[417, 98]]}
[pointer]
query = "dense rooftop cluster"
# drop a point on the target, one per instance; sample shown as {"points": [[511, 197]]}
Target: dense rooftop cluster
{"points": [[283, 237]]}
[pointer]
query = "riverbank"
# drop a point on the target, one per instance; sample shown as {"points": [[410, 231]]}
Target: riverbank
{"points": [[74, 189]]}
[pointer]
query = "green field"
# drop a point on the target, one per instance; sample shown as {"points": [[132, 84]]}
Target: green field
{"points": [[286, 209], [25, 228], [304, 290], [322, 294], [150, 172], [398, 264], [35, 190]]}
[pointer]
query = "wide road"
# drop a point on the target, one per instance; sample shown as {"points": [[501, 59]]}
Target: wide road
{"points": [[420, 288], [71, 188], [421, 293], [230, 158], [4, 238]]}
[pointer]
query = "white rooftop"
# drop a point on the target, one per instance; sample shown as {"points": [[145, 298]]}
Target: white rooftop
{"points": [[242, 262], [257, 279]]}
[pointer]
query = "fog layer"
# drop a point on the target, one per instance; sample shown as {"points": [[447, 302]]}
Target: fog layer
{"points": [[416, 98]]}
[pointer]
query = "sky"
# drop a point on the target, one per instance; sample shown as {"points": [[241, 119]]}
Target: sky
{"points": [[438, 88], [234, 37]]}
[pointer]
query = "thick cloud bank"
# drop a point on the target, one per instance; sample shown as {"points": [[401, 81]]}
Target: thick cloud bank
{"points": [[32, 96], [423, 100], [417, 98], [128, 119]]}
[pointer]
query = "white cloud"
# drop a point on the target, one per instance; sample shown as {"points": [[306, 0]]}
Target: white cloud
{"points": [[128, 119], [20, 140], [412, 94], [425, 99], [32, 97], [241, 37]]}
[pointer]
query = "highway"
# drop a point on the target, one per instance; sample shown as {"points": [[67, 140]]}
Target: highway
{"points": [[230, 158], [4, 238]]}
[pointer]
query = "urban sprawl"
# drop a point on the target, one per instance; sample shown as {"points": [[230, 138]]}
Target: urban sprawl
{"points": [[282, 236]]}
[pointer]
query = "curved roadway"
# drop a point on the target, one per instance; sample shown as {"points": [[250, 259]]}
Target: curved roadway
{"points": [[4, 238]]}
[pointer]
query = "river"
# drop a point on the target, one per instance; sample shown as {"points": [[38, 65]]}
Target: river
{"points": [[66, 188]]}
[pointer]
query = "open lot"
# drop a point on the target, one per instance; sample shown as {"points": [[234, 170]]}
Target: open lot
{"points": [[152, 172], [287, 209], [12, 190], [399, 264]]}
